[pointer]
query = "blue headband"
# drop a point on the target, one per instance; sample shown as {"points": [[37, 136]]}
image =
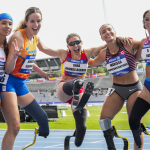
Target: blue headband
{"points": [[5, 16]]}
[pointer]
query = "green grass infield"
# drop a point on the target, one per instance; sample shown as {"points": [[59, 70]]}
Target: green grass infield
{"points": [[68, 123]]}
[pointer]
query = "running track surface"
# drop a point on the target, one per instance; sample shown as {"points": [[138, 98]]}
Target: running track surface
{"points": [[93, 140]]}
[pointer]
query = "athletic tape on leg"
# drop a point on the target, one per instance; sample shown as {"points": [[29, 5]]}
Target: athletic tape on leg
{"points": [[85, 97], [105, 124], [67, 141], [30, 144]]}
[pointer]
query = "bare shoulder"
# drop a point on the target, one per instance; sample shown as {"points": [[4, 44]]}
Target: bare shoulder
{"points": [[19, 37], [142, 43], [63, 54], [102, 53], [143, 40]]}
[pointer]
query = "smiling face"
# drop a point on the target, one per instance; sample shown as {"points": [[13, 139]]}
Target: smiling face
{"points": [[76, 49], [107, 33], [34, 23], [5, 27], [146, 21]]}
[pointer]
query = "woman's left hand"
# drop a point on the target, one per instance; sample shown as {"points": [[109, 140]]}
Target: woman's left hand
{"points": [[127, 41]]}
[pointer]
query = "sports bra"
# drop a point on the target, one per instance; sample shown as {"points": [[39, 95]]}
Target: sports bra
{"points": [[120, 63]]}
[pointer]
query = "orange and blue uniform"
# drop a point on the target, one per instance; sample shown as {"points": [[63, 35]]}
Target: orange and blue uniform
{"points": [[23, 68], [26, 59]]}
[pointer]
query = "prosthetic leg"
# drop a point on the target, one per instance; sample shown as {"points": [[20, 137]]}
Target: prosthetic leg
{"points": [[77, 84], [143, 129], [109, 132], [80, 119], [30, 144], [139, 109], [137, 133], [34, 110], [85, 97], [67, 141]]}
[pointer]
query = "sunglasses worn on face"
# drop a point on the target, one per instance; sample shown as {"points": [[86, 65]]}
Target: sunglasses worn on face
{"points": [[74, 42]]}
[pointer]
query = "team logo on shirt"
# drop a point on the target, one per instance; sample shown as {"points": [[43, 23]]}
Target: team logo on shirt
{"points": [[118, 58], [27, 47]]}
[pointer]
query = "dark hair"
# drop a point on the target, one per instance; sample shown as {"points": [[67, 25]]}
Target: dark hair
{"points": [[117, 39], [6, 50], [28, 12], [71, 35], [5, 44], [144, 16]]}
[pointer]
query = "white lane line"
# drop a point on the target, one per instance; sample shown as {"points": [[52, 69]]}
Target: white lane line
{"points": [[53, 146], [99, 141]]}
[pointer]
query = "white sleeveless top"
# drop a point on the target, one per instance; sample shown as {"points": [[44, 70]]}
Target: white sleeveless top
{"points": [[3, 75]]}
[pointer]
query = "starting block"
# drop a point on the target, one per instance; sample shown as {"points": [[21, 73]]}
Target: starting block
{"points": [[85, 97], [30, 144], [144, 129], [67, 141]]}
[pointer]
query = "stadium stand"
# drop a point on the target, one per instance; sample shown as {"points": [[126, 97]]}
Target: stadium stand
{"points": [[48, 89], [42, 86]]}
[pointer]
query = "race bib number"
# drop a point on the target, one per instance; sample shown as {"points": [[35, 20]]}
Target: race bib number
{"points": [[4, 79], [110, 91], [118, 65], [28, 64], [146, 53], [75, 68]]}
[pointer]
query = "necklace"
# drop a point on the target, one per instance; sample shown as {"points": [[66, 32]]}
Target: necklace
{"points": [[113, 53]]}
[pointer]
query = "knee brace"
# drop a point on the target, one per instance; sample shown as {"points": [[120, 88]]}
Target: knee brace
{"points": [[40, 116], [80, 119], [139, 109], [105, 125], [72, 86]]}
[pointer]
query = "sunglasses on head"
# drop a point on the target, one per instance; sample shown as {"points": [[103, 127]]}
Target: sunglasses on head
{"points": [[74, 42]]}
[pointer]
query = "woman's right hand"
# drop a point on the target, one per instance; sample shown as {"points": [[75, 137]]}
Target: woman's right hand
{"points": [[17, 51]]}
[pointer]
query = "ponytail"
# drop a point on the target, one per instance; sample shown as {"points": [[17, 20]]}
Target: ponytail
{"points": [[22, 25]]}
